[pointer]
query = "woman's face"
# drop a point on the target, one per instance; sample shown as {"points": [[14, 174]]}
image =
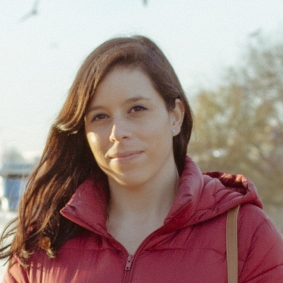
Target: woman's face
{"points": [[129, 129]]}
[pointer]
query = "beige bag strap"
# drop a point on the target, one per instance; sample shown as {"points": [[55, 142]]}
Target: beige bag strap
{"points": [[232, 244]]}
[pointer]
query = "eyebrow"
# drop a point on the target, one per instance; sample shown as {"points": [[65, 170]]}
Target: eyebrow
{"points": [[129, 100]]}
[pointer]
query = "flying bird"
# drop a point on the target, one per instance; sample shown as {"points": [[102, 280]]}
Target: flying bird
{"points": [[33, 12], [255, 33]]}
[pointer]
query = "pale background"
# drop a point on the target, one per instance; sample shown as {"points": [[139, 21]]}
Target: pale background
{"points": [[40, 54]]}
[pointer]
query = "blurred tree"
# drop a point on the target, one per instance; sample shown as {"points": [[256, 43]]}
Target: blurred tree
{"points": [[239, 126]]}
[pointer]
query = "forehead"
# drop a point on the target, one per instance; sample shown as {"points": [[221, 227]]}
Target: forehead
{"points": [[125, 83]]}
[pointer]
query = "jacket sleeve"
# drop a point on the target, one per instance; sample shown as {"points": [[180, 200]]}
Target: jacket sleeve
{"points": [[15, 273], [260, 248]]}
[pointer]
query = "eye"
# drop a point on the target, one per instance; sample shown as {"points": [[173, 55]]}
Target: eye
{"points": [[99, 117], [137, 108]]}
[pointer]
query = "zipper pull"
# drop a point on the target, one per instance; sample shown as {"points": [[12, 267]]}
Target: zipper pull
{"points": [[129, 262]]}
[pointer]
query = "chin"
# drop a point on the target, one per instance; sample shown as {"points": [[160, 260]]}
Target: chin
{"points": [[128, 180]]}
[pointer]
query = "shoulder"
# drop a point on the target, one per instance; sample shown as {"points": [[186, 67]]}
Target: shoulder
{"points": [[252, 215], [260, 246], [253, 221]]}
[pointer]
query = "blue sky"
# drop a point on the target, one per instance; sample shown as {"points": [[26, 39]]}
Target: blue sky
{"points": [[39, 56]]}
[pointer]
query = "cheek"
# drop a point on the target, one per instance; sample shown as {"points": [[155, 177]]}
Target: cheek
{"points": [[161, 128], [95, 143], [91, 138], [159, 138]]}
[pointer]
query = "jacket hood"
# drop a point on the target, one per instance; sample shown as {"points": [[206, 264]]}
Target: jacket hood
{"points": [[201, 196]]}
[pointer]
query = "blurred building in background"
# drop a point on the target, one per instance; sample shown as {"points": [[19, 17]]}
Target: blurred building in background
{"points": [[15, 167], [13, 180]]}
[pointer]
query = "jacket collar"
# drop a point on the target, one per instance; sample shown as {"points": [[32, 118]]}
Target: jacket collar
{"points": [[88, 206], [200, 198]]}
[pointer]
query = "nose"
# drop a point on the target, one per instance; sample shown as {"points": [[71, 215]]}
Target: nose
{"points": [[120, 131]]}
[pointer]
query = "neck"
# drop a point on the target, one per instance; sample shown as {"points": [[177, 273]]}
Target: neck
{"points": [[150, 201], [136, 211]]}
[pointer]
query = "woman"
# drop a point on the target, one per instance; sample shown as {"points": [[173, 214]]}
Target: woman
{"points": [[115, 199]]}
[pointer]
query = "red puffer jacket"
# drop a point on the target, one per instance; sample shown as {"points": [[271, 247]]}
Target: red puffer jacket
{"points": [[189, 247]]}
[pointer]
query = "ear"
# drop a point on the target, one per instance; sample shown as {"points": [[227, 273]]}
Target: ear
{"points": [[177, 116]]}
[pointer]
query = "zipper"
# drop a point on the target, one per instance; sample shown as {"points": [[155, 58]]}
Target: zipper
{"points": [[128, 268], [130, 258], [129, 262]]}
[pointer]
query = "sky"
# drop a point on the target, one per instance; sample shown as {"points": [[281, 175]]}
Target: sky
{"points": [[40, 54]]}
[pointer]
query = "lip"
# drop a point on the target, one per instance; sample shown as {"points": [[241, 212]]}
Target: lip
{"points": [[125, 156]]}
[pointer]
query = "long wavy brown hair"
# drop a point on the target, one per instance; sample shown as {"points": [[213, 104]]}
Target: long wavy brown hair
{"points": [[67, 159]]}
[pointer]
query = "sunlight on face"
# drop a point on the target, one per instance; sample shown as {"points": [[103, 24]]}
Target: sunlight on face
{"points": [[128, 127]]}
